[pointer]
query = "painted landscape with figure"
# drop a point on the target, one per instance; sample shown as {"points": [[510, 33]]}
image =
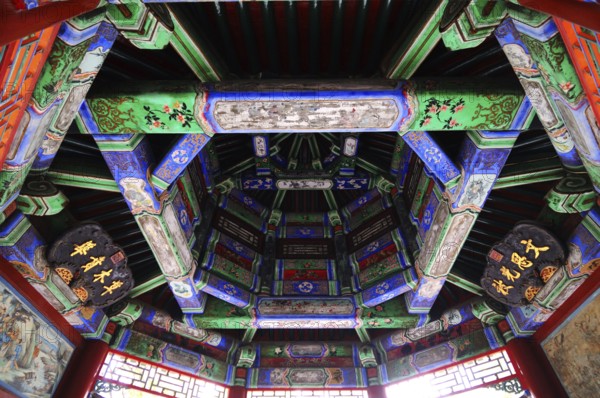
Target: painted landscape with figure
{"points": [[33, 356]]}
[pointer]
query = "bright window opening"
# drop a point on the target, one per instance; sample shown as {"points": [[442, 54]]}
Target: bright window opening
{"points": [[122, 377], [465, 380], [308, 393]]}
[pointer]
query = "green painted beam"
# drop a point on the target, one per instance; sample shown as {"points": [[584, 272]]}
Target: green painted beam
{"points": [[87, 176], [525, 173], [145, 287], [464, 283]]}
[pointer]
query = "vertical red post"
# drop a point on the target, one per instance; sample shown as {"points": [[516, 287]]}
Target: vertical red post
{"points": [[237, 391], [376, 392], [80, 375], [17, 24], [581, 13], [533, 369]]}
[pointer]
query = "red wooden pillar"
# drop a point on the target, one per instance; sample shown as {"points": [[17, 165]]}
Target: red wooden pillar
{"points": [[377, 392], [20, 23], [584, 14], [80, 375], [237, 391], [533, 369]]}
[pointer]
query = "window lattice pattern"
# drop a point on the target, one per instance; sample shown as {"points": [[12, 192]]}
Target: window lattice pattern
{"points": [[308, 393], [151, 378], [485, 370]]}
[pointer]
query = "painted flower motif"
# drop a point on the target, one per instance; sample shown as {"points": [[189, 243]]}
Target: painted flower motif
{"points": [[452, 122], [180, 156], [179, 112], [382, 288], [379, 308], [230, 289], [434, 108], [183, 217], [305, 287], [566, 86], [372, 247]]}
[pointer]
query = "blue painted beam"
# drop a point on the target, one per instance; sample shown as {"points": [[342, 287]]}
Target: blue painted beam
{"points": [[389, 288], [177, 159], [223, 290], [129, 158], [359, 181], [442, 167], [481, 158], [560, 86]]}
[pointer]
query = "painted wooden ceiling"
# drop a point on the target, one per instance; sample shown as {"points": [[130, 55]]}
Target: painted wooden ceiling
{"points": [[386, 260], [305, 39]]}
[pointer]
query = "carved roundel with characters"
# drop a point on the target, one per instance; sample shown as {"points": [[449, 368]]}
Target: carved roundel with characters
{"points": [[519, 266], [86, 258]]}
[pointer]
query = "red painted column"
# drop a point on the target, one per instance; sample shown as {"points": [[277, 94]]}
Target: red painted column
{"points": [[237, 391], [584, 14], [533, 369], [80, 375], [377, 392], [17, 24]]}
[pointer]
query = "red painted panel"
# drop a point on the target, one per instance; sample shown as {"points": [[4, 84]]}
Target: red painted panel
{"points": [[17, 24], [584, 49], [17, 85]]}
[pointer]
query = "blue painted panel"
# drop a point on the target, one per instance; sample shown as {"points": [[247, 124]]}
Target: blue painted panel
{"points": [[544, 32], [359, 181], [178, 158], [224, 290], [249, 202], [432, 155], [23, 251], [389, 288]]}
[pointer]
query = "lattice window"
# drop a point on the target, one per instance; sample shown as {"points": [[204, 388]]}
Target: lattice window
{"points": [[308, 393], [480, 372], [131, 374]]}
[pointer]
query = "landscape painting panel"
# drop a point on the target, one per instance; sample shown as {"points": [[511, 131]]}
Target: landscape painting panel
{"points": [[33, 354]]}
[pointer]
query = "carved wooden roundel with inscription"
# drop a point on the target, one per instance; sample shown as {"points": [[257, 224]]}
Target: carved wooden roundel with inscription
{"points": [[86, 258], [519, 266]]}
